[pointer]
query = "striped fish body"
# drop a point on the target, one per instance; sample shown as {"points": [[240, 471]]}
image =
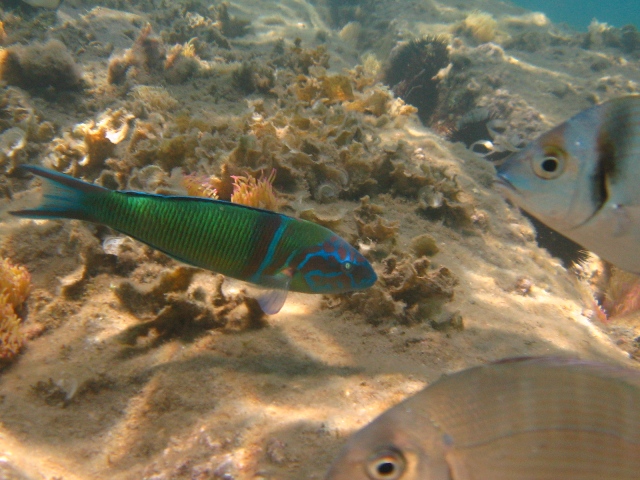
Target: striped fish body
{"points": [[581, 179], [259, 246], [524, 419]]}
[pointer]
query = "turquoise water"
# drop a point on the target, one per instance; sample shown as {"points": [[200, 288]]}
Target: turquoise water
{"points": [[579, 13]]}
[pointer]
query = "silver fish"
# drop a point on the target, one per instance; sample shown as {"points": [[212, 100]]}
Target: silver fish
{"points": [[582, 178], [519, 419]]}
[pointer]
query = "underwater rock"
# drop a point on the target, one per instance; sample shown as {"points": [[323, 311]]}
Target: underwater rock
{"points": [[182, 312], [378, 230], [150, 298], [480, 26], [332, 222], [409, 291], [251, 77], [84, 150], [448, 320], [39, 66], [376, 305], [17, 115], [626, 38], [472, 127], [153, 179], [180, 317], [181, 64], [299, 59], [55, 393], [231, 26], [372, 229], [146, 56], [326, 88], [423, 291], [154, 99], [424, 245]]}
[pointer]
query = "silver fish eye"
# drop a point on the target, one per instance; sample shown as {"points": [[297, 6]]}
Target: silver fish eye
{"points": [[387, 464], [549, 167]]}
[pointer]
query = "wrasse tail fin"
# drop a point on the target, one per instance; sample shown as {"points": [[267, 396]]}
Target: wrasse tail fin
{"points": [[62, 197]]}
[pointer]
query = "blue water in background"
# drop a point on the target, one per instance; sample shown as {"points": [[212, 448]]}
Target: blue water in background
{"points": [[579, 13]]}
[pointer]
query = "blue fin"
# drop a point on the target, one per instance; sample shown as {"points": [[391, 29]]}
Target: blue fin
{"points": [[62, 197], [272, 300]]}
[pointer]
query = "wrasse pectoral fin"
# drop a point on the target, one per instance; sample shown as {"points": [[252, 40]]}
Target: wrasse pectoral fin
{"points": [[272, 300]]}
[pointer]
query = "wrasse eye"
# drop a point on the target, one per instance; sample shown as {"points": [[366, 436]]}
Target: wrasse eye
{"points": [[346, 266], [388, 464]]}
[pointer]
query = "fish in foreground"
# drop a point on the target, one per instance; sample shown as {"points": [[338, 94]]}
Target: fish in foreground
{"points": [[581, 179], [520, 419], [262, 247]]}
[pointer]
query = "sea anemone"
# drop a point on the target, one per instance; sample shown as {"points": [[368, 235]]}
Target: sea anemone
{"points": [[247, 190], [15, 284], [200, 186], [11, 337], [254, 192]]}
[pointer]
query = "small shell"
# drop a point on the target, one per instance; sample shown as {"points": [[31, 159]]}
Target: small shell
{"points": [[428, 197], [327, 192]]}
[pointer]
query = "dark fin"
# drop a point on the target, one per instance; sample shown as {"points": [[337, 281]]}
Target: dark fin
{"points": [[613, 148], [62, 196]]}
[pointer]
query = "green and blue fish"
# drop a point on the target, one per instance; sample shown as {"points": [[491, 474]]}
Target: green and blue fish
{"points": [[268, 249]]}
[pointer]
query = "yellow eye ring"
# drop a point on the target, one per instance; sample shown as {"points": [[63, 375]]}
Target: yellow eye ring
{"points": [[551, 165], [387, 464]]}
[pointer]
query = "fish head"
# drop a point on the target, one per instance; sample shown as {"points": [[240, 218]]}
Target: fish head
{"points": [[397, 445], [333, 267], [555, 178]]}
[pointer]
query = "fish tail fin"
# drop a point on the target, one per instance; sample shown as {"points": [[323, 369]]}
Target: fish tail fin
{"points": [[62, 197]]}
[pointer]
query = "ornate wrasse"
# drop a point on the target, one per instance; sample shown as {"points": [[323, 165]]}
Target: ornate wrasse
{"points": [[519, 419], [581, 179], [262, 247]]}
